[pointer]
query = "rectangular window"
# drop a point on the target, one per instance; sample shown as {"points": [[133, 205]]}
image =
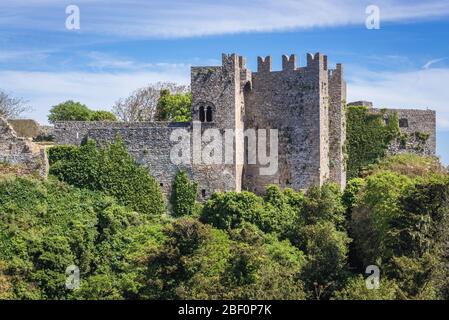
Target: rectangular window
{"points": [[403, 123]]}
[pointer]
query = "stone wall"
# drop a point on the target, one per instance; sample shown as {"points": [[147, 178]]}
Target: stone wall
{"points": [[418, 131], [20, 151], [25, 128], [151, 145]]}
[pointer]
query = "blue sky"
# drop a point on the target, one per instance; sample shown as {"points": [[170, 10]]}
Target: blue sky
{"points": [[124, 45]]}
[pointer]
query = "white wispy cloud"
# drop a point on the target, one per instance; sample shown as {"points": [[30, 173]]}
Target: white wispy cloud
{"points": [[23, 55], [99, 90], [177, 18], [429, 63], [420, 89]]}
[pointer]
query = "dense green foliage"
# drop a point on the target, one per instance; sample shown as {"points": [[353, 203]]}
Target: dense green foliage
{"points": [[110, 169], [47, 226], [107, 217], [183, 198], [75, 111], [368, 138], [174, 107], [274, 213]]}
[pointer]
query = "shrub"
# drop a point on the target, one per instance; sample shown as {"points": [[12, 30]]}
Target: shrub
{"points": [[184, 194], [113, 170], [229, 210], [407, 164]]}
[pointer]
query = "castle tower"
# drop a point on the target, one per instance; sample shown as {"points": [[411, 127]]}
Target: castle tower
{"points": [[218, 102], [337, 125], [293, 100]]}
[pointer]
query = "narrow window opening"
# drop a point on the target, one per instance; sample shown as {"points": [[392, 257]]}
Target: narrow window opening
{"points": [[209, 114], [203, 193], [202, 114], [403, 123]]}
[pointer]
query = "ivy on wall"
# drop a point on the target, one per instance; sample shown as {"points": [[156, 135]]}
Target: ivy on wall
{"points": [[368, 137]]}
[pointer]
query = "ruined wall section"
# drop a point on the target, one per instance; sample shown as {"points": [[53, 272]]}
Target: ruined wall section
{"points": [[418, 131], [293, 101], [20, 151], [150, 145], [337, 126]]}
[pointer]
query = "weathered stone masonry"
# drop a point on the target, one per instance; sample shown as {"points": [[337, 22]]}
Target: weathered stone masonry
{"points": [[20, 151], [306, 105]]}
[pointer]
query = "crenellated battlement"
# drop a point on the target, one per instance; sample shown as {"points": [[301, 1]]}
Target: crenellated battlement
{"points": [[315, 61], [264, 64], [289, 63]]}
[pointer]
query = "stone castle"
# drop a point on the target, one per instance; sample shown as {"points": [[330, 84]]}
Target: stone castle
{"points": [[305, 104]]}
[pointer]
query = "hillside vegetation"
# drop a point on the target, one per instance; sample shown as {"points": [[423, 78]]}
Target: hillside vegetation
{"points": [[94, 213]]}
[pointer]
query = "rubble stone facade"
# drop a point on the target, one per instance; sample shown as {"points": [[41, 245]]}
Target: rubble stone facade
{"points": [[21, 151]]}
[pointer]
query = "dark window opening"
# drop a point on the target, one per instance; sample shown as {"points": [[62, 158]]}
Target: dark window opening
{"points": [[161, 184], [403, 123], [209, 114], [203, 193], [202, 114], [403, 145]]}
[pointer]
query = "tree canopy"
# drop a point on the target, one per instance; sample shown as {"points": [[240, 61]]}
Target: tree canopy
{"points": [[76, 111]]}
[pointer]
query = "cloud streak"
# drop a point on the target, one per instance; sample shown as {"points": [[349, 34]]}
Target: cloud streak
{"points": [[421, 89], [176, 18]]}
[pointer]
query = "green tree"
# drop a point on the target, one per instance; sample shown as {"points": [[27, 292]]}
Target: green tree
{"points": [[323, 204], [356, 289], [280, 211], [377, 206], [101, 115], [326, 251], [174, 107], [417, 240], [75, 111], [189, 263], [228, 210], [262, 267], [184, 194]]}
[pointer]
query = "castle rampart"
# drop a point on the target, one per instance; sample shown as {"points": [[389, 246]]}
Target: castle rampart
{"points": [[305, 104]]}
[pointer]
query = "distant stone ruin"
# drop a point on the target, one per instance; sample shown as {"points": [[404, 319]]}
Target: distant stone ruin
{"points": [[15, 150]]}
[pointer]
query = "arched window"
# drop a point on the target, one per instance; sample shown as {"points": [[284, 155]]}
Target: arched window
{"points": [[209, 114], [202, 114]]}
